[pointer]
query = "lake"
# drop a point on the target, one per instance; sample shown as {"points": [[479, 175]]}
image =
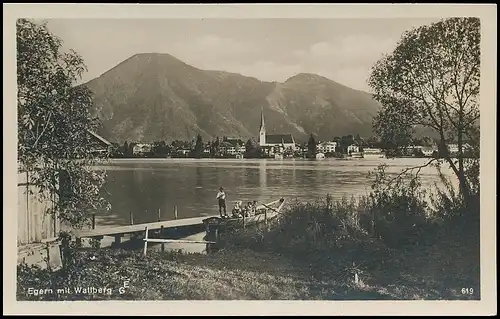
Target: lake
{"points": [[143, 186]]}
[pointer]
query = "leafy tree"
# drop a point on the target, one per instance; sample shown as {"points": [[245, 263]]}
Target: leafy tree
{"points": [[54, 120], [373, 142], [396, 136], [359, 140], [427, 141], [252, 148], [125, 149], [159, 149], [432, 80], [311, 146], [216, 146], [131, 149], [198, 148], [116, 151]]}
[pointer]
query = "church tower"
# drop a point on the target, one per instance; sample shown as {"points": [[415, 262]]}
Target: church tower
{"points": [[262, 131]]}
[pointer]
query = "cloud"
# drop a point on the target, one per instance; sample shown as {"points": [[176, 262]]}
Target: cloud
{"points": [[345, 59], [212, 48], [251, 59], [352, 49]]}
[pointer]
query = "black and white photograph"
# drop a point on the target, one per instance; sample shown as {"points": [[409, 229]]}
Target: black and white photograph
{"points": [[252, 158]]}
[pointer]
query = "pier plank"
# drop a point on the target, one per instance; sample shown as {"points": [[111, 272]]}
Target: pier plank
{"points": [[138, 228], [128, 229]]}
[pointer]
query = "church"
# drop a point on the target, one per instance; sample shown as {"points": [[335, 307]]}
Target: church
{"points": [[274, 143]]}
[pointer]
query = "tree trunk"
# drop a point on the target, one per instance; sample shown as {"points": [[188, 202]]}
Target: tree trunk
{"points": [[459, 172], [464, 187]]}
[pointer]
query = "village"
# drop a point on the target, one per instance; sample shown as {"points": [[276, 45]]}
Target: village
{"points": [[277, 146]]}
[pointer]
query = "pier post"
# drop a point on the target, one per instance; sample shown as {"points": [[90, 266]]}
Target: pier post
{"points": [[159, 215], [118, 239], [146, 241], [175, 212], [161, 235], [265, 216], [131, 218], [243, 219], [93, 221]]}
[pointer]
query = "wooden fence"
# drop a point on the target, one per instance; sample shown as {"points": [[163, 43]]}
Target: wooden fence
{"points": [[34, 224]]}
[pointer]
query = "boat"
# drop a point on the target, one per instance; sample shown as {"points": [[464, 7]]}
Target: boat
{"points": [[356, 155], [373, 156], [372, 153], [265, 213], [320, 156]]}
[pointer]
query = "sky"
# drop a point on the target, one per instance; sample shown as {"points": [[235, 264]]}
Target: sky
{"points": [[343, 50]]}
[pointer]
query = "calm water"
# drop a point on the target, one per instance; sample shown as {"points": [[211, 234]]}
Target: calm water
{"points": [[143, 186]]}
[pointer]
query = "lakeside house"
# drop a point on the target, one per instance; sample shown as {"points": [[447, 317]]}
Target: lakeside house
{"points": [[320, 155], [232, 146], [453, 148], [428, 151], [373, 152], [275, 143], [99, 144], [352, 149], [142, 148], [326, 147]]}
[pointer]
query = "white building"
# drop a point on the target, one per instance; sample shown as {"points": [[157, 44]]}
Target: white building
{"points": [[453, 148], [352, 149], [373, 153], [428, 150], [329, 147], [142, 148]]}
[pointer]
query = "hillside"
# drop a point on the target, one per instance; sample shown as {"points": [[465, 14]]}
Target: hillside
{"points": [[152, 97]]}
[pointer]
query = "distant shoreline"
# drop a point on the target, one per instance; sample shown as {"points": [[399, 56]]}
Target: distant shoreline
{"points": [[299, 159]]}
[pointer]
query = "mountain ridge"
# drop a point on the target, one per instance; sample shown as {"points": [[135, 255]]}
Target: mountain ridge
{"points": [[155, 96]]}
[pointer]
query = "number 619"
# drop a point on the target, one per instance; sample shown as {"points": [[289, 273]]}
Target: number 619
{"points": [[467, 291]]}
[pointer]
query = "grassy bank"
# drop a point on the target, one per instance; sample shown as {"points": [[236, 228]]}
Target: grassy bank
{"points": [[390, 245]]}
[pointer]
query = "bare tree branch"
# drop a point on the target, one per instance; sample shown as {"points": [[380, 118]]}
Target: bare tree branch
{"points": [[408, 169], [47, 122]]}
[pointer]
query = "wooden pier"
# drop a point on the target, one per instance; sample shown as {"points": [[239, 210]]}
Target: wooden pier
{"points": [[139, 229], [155, 232]]}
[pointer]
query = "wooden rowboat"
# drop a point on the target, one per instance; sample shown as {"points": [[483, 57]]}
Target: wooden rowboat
{"points": [[265, 213]]}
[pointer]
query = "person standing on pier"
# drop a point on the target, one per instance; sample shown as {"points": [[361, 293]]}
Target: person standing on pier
{"points": [[221, 196]]}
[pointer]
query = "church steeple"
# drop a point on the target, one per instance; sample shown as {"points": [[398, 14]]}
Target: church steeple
{"points": [[262, 131], [262, 124]]}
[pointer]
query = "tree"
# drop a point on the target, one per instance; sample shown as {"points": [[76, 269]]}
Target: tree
{"points": [[159, 149], [125, 149], [432, 80], [252, 149], [54, 121], [198, 147], [116, 151], [311, 147], [373, 141], [397, 136], [216, 146]]}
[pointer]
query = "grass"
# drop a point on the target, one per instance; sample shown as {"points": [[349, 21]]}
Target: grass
{"points": [[246, 273]]}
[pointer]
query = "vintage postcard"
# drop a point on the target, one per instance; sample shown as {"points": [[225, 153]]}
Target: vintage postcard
{"points": [[342, 155]]}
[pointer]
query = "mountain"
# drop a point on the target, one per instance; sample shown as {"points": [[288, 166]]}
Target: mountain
{"points": [[152, 96]]}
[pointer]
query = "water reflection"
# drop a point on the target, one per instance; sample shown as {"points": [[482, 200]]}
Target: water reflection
{"points": [[262, 175], [144, 186]]}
